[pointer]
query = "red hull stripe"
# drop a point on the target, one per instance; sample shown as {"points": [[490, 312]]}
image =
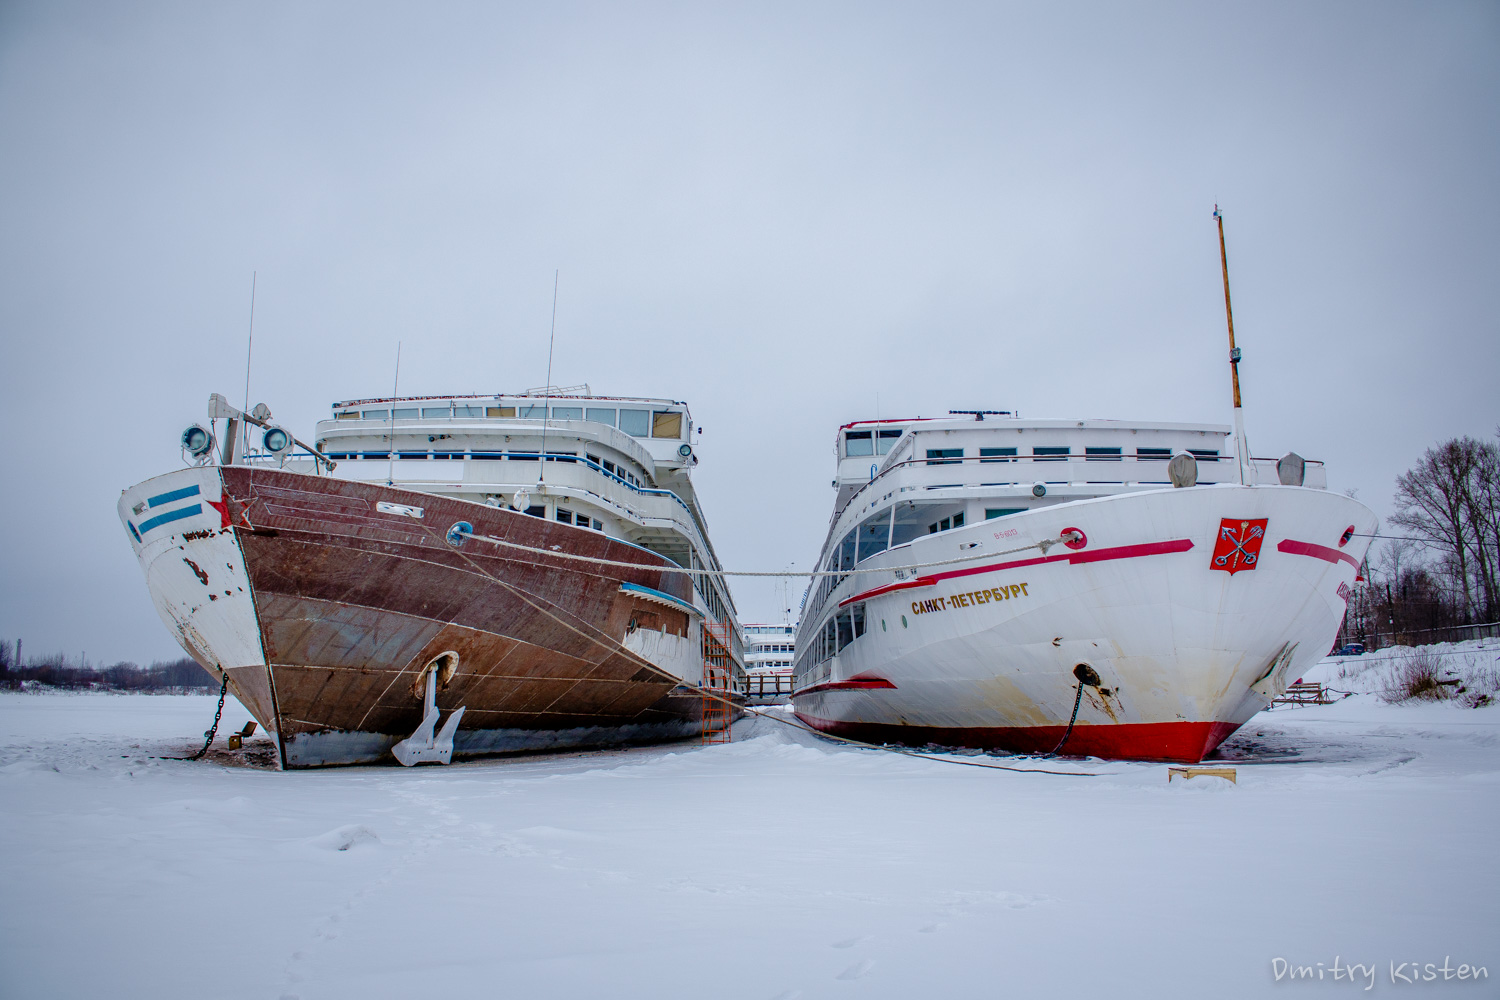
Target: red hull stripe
{"points": [[1186, 742], [1095, 555], [859, 682], [1316, 551]]}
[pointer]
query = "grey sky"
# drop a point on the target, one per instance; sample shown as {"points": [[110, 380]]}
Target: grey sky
{"points": [[789, 216]]}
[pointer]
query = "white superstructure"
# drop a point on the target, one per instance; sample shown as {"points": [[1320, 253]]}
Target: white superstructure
{"points": [[1070, 569]]}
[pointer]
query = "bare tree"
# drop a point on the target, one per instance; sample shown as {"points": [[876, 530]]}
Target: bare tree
{"points": [[1449, 499]]}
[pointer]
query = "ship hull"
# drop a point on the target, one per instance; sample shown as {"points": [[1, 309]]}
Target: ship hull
{"points": [[326, 601], [1185, 647]]}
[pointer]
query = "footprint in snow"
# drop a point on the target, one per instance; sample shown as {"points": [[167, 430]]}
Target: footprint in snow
{"points": [[858, 970], [851, 942], [344, 838]]}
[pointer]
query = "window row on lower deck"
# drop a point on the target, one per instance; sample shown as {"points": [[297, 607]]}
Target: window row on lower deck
{"points": [[895, 525], [619, 472], [837, 632], [1061, 453]]}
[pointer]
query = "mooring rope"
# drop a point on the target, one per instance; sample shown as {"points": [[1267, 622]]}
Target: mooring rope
{"points": [[608, 641], [1044, 545]]}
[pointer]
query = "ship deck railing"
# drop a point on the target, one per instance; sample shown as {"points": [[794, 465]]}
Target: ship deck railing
{"points": [[1112, 472]]}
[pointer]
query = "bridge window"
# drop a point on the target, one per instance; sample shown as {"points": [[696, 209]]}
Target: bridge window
{"points": [[990, 513], [1153, 454], [858, 443], [884, 440], [997, 455], [1049, 454], [1204, 456], [935, 455], [601, 415], [636, 423], [1101, 454], [375, 414], [666, 424], [436, 411], [533, 412], [468, 411], [499, 411], [567, 413]]}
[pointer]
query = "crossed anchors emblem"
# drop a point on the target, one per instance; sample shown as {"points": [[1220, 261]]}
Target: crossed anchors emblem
{"points": [[1238, 544]]}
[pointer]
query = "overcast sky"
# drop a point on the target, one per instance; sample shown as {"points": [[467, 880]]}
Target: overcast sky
{"points": [[789, 216]]}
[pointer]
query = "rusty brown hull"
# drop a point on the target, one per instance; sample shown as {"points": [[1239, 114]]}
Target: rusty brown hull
{"points": [[353, 603]]}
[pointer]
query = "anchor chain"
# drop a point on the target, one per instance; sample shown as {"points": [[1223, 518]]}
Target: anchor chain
{"points": [[208, 735], [1077, 700]]}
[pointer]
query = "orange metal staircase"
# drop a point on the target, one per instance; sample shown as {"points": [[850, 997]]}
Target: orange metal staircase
{"points": [[717, 714]]}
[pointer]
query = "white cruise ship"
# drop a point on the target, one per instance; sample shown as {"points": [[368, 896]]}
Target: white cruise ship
{"points": [[1076, 586], [769, 652]]}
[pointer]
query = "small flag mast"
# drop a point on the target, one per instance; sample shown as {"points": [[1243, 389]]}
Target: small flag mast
{"points": [[1241, 446]]}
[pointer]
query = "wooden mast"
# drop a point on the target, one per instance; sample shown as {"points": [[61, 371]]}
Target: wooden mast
{"points": [[1241, 446]]}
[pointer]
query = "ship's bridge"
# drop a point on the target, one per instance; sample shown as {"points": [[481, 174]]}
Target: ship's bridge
{"points": [[655, 435]]}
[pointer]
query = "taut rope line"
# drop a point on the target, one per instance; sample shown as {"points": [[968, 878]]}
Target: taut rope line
{"points": [[609, 641], [1044, 545]]}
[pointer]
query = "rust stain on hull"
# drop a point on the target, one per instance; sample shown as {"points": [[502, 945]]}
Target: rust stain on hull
{"points": [[352, 604]]}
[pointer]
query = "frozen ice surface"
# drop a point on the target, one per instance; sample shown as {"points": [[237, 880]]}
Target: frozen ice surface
{"points": [[779, 865]]}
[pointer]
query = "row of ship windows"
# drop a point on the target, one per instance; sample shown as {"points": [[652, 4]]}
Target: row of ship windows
{"points": [[770, 663], [836, 633], [858, 443], [607, 467], [775, 647], [567, 517], [884, 530], [636, 423], [1046, 453]]}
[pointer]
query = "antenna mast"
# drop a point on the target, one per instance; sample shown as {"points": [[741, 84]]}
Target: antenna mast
{"points": [[541, 469], [249, 343], [1241, 446], [390, 413]]}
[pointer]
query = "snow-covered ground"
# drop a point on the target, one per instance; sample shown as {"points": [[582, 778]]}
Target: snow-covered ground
{"points": [[777, 866], [1475, 664]]}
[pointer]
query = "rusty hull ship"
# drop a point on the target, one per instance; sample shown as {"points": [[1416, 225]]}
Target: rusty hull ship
{"points": [[412, 568]]}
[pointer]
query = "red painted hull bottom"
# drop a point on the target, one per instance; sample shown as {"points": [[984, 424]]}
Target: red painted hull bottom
{"points": [[1184, 742]]}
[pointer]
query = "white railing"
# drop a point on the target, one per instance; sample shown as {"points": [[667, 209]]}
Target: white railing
{"points": [[1115, 471]]}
